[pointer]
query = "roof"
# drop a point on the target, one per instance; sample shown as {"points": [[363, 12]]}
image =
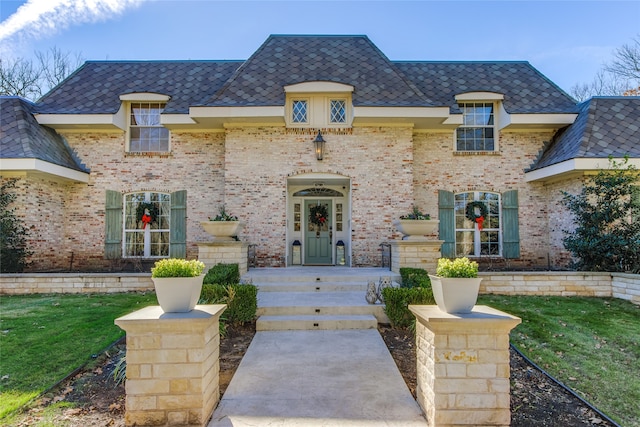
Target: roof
{"points": [[22, 137], [284, 60], [95, 88], [605, 126], [525, 89]]}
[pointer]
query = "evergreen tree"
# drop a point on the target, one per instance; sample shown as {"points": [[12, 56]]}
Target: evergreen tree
{"points": [[13, 234], [607, 218]]}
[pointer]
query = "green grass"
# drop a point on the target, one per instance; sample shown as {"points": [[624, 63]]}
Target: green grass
{"points": [[43, 338], [590, 344]]}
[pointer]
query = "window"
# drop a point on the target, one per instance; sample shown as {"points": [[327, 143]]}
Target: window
{"points": [[146, 134], [299, 111], [477, 130], [338, 112], [481, 237], [147, 218]]}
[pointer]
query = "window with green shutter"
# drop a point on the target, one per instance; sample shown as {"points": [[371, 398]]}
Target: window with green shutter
{"points": [[479, 224]]}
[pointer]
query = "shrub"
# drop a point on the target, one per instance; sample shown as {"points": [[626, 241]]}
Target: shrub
{"points": [[459, 267], [241, 300], [414, 278], [222, 274], [397, 301], [13, 234], [177, 267]]}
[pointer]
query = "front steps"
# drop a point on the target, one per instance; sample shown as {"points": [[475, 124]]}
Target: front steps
{"points": [[317, 298]]}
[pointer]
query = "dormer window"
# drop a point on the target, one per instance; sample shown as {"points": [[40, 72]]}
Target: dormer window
{"points": [[146, 134], [338, 111], [477, 130], [299, 108]]}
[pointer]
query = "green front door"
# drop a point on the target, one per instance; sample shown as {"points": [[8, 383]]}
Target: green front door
{"points": [[318, 232]]}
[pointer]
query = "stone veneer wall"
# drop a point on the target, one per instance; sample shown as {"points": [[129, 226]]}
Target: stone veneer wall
{"points": [[436, 167], [618, 285]]}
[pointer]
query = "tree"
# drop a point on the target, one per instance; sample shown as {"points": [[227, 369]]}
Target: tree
{"points": [[620, 77], [13, 234], [31, 79], [607, 216]]}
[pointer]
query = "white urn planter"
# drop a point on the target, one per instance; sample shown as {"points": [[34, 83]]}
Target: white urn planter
{"points": [[416, 229], [178, 294], [455, 294], [222, 230]]}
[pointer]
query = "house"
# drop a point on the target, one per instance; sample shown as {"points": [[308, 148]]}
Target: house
{"points": [[183, 138]]}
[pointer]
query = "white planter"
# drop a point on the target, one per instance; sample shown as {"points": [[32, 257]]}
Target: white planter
{"points": [[455, 294], [222, 230], [178, 294], [416, 229]]}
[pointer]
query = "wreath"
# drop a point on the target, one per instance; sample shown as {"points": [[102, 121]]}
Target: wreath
{"points": [[470, 212], [318, 215], [147, 212]]}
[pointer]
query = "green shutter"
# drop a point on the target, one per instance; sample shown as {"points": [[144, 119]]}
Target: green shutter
{"points": [[510, 225], [178, 230], [113, 225], [447, 217]]}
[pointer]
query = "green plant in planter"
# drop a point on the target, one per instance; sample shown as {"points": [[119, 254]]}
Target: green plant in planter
{"points": [[223, 215], [458, 267], [416, 214], [177, 267]]}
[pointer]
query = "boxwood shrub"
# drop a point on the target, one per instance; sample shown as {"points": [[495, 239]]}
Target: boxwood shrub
{"points": [[222, 274], [241, 300], [397, 301], [414, 278]]}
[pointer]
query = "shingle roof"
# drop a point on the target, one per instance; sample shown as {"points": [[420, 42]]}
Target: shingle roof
{"points": [[286, 60], [22, 137], [606, 126], [95, 87], [525, 89]]}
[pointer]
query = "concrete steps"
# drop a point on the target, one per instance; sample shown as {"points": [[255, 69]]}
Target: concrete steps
{"points": [[316, 298]]}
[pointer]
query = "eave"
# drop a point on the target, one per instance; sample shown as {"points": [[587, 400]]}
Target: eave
{"points": [[38, 167], [572, 168]]}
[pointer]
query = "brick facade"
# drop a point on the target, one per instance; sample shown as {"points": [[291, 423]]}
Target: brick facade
{"points": [[246, 168]]}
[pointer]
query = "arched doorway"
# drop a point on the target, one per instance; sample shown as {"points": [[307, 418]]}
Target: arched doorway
{"points": [[318, 220]]}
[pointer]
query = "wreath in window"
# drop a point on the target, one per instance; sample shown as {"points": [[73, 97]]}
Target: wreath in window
{"points": [[318, 215], [470, 212], [147, 212]]}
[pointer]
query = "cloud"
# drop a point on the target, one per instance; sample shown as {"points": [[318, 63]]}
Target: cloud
{"points": [[40, 18]]}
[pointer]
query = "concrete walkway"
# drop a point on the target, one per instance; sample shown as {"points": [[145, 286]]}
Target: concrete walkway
{"points": [[317, 378]]}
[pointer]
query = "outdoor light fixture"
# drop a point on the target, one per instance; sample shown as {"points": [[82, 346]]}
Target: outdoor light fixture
{"points": [[319, 144]]}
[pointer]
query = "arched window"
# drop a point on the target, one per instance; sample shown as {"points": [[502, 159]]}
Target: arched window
{"points": [[479, 236], [147, 223], [318, 192]]}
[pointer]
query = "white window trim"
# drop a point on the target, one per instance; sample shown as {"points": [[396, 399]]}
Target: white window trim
{"points": [[128, 104], [476, 237], [147, 230], [496, 117], [290, 111]]}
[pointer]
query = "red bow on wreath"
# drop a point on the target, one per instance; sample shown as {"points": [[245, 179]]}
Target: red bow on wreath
{"points": [[479, 221], [146, 220]]}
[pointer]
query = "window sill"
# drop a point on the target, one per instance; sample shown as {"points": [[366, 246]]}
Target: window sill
{"points": [[477, 153], [161, 154]]}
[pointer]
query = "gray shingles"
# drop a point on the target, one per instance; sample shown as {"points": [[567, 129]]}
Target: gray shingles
{"points": [[606, 126], [22, 137]]}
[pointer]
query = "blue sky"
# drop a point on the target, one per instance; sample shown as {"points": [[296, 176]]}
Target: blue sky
{"points": [[568, 41]]}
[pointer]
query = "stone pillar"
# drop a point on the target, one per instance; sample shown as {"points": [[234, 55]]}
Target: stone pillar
{"points": [[172, 366], [231, 252], [463, 366], [416, 254]]}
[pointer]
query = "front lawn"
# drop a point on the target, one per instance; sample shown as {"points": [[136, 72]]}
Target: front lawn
{"points": [[43, 338], [591, 345]]}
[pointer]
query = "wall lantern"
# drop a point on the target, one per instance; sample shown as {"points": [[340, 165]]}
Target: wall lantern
{"points": [[319, 144]]}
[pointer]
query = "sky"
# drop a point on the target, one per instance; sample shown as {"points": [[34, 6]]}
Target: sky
{"points": [[568, 41]]}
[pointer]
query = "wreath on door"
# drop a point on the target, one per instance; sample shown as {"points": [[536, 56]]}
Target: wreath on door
{"points": [[147, 212], [470, 212], [318, 215]]}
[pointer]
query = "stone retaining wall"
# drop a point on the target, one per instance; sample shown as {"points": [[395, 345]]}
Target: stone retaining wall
{"points": [[618, 285]]}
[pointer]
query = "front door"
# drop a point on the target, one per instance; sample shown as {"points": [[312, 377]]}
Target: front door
{"points": [[318, 232]]}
